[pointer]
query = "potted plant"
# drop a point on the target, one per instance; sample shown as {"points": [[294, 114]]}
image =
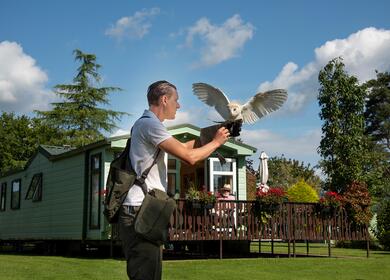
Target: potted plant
{"points": [[200, 199], [268, 202], [208, 199], [193, 197], [329, 204]]}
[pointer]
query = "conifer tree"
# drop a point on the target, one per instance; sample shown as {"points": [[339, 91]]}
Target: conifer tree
{"points": [[78, 117]]}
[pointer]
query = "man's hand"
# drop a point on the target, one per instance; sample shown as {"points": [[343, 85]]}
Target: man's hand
{"points": [[222, 135]]}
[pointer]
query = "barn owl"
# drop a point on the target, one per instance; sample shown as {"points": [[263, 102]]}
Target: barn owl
{"points": [[258, 106]]}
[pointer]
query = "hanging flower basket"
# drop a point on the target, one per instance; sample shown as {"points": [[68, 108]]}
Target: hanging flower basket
{"points": [[327, 212], [194, 207], [197, 200], [329, 205], [195, 204], [209, 205], [268, 203]]}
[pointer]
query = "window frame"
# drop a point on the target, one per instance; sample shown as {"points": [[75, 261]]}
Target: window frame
{"points": [[174, 172], [13, 207], [37, 189], [3, 196], [232, 173], [95, 171]]}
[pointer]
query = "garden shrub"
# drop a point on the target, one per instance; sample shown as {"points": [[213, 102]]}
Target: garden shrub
{"points": [[302, 192], [383, 224], [357, 202]]}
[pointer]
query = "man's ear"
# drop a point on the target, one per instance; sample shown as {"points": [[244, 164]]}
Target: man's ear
{"points": [[164, 99]]}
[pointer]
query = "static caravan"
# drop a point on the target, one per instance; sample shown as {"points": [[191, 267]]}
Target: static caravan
{"points": [[57, 198]]}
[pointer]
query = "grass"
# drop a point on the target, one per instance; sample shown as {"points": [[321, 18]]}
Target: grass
{"points": [[355, 266], [315, 249]]}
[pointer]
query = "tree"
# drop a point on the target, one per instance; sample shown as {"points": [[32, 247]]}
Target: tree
{"points": [[20, 137], [377, 119], [342, 145], [382, 231], [377, 114], [302, 192], [78, 118], [249, 166], [287, 172]]}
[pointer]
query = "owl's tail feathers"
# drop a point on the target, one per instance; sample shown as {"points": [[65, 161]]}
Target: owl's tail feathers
{"points": [[222, 160]]}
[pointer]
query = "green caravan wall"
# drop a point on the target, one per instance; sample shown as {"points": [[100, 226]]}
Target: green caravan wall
{"points": [[59, 214], [241, 169]]}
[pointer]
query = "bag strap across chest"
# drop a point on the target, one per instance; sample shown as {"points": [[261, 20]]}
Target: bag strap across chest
{"points": [[140, 181]]}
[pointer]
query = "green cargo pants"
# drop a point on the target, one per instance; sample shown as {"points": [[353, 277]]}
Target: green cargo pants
{"points": [[144, 259]]}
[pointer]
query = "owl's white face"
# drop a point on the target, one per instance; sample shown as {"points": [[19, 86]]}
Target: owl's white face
{"points": [[235, 110]]}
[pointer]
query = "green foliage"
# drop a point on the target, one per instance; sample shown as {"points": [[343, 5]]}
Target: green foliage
{"points": [[19, 138], [377, 170], [203, 196], [342, 145], [383, 224], [286, 172], [78, 118], [377, 117], [331, 199], [302, 192], [268, 203], [357, 202], [377, 114]]}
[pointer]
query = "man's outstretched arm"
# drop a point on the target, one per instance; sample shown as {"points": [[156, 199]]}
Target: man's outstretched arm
{"points": [[191, 155]]}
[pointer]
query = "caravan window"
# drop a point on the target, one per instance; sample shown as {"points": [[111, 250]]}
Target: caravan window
{"points": [[3, 193], [223, 174], [172, 175], [35, 189], [95, 191], [15, 194]]}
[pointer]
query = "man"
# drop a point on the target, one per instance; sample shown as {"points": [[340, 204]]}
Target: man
{"points": [[144, 259], [224, 194]]}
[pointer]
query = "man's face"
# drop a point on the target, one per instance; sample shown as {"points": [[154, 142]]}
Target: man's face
{"points": [[172, 105]]}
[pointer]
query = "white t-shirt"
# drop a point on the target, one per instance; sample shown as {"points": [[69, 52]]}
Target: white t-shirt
{"points": [[147, 134]]}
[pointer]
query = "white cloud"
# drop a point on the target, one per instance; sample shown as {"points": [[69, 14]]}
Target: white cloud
{"points": [[363, 52], [181, 117], [120, 132], [303, 148], [220, 42], [22, 82], [133, 27]]}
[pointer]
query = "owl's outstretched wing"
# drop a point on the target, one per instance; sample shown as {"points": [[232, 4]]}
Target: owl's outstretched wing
{"points": [[213, 97], [262, 104]]}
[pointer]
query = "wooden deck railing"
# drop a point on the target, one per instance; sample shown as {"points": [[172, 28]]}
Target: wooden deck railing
{"points": [[236, 220]]}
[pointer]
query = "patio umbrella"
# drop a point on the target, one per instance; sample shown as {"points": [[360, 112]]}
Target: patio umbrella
{"points": [[263, 171]]}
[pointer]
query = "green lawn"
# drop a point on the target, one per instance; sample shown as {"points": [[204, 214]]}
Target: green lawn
{"points": [[315, 249], [358, 267]]}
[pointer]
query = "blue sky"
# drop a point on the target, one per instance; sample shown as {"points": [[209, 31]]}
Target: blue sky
{"points": [[241, 47]]}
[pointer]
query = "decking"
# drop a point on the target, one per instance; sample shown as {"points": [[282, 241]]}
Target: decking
{"points": [[236, 221]]}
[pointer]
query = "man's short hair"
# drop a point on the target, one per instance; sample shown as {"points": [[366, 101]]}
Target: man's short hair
{"points": [[158, 89]]}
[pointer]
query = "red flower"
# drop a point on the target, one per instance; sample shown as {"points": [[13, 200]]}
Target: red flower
{"points": [[273, 195], [331, 199]]}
